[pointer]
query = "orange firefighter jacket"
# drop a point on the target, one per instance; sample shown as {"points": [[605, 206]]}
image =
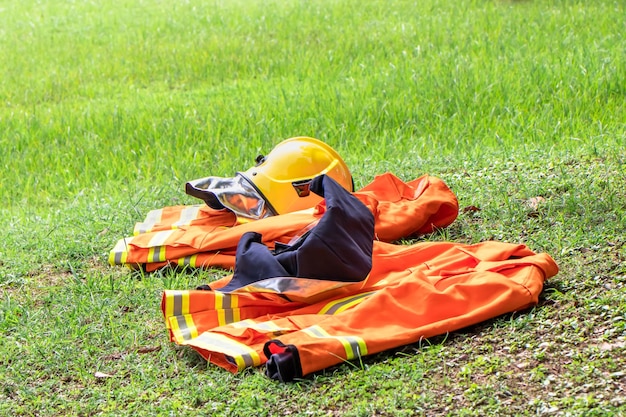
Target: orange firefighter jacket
{"points": [[199, 236], [412, 292]]}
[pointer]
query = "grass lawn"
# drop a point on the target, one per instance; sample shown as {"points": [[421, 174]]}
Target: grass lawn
{"points": [[108, 107]]}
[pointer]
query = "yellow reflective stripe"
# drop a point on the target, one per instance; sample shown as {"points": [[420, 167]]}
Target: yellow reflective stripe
{"points": [[153, 217], [337, 306], [358, 344], [169, 304], [178, 318], [353, 345], [318, 332], [235, 307], [119, 253], [188, 261], [219, 301], [183, 327], [180, 328], [187, 215], [192, 330], [184, 302], [172, 325], [226, 306], [156, 253], [176, 301], [243, 355]]}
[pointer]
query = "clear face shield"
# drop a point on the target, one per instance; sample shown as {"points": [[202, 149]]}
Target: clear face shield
{"points": [[236, 194]]}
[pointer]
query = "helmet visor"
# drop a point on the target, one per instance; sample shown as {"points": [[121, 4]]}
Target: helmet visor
{"points": [[236, 194]]}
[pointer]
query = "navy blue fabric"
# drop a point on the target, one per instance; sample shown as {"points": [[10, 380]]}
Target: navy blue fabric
{"points": [[284, 365], [338, 248]]}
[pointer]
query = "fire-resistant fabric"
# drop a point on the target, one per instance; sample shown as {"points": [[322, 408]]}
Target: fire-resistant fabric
{"points": [[413, 292], [199, 236], [334, 252]]}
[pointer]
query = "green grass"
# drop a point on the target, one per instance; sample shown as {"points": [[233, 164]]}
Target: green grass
{"points": [[107, 108]]}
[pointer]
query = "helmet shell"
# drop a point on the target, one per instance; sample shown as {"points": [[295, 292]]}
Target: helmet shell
{"points": [[283, 176]]}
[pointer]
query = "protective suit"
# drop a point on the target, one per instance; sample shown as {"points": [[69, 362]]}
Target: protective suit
{"points": [[329, 295], [201, 236]]}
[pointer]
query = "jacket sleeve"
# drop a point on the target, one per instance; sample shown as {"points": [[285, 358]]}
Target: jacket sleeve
{"points": [[415, 292], [418, 305], [404, 209], [198, 236]]}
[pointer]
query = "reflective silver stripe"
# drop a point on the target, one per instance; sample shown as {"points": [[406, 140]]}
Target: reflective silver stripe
{"points": [[355, 343], [183, 328], [226, 306], [119, 249], [268, 325], [177, 304], [265, 326], [180, 322], [157, 250], [156, 254], [188, 261], [243, 355], [153, 217], [226, 301], [339, 304], [159, 238], [316, 331], [293, 286], [247, 323], [118, 254], [247, 359], [187, 215], [228, 311], [354, 346]]}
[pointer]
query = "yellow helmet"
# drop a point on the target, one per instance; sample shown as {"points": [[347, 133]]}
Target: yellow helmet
{"points": [[284, 175]]}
